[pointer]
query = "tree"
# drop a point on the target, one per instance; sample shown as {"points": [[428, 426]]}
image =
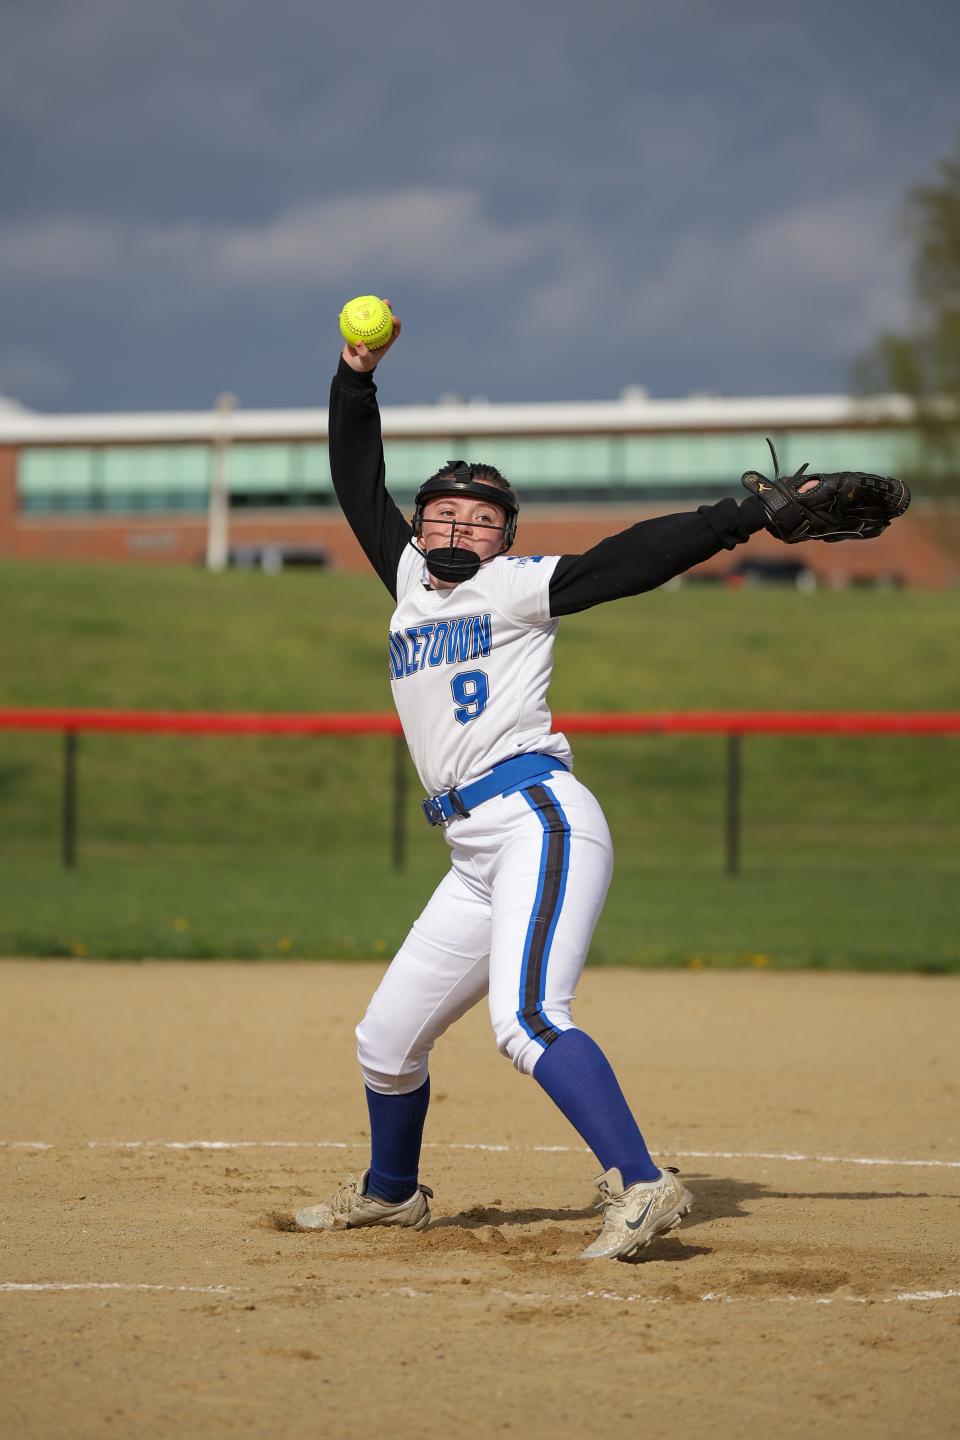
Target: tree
{"points": [[924, 363]]}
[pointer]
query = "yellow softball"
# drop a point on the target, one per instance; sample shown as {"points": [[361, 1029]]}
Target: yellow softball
{"points": [[368, 319]]}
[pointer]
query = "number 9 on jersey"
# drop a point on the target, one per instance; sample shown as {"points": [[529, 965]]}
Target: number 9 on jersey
{"points": [[471, 691]]}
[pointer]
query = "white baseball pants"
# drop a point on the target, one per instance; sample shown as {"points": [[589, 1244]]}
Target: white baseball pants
{"points": [[512, 919]]}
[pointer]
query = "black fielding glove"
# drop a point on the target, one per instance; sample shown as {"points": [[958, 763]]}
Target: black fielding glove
{"points": [[846, 506]]}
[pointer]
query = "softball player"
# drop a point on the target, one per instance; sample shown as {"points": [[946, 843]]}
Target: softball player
{"points": [[470, 650]]}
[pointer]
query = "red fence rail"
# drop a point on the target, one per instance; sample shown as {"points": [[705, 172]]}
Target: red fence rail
{"points": [[369, 722], [734, 724]]}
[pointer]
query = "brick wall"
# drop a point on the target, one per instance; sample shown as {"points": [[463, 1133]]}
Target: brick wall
{"points": [[8, 497]]}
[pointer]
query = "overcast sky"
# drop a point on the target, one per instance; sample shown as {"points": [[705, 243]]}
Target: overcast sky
{"points": [[560, 199]]}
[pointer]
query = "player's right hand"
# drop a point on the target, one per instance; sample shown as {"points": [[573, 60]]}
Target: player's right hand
{"points": [[359, 358]]}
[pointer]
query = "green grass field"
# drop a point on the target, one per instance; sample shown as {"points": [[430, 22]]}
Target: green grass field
{"points": [[257, 847]]}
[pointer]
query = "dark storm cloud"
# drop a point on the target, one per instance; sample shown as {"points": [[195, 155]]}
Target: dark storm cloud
{"points": [[559, 199]]}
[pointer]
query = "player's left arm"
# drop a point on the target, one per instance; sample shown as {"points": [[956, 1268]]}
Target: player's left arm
{"points": [[651, 553]]}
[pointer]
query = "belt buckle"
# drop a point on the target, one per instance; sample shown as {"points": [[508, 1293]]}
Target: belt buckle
{"points": [[433, 811]]}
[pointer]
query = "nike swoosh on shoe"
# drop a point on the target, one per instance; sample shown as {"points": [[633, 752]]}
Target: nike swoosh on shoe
{"points": [[635, 1224]]}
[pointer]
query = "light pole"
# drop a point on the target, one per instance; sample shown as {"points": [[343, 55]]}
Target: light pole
{"points": [[218, 509]]}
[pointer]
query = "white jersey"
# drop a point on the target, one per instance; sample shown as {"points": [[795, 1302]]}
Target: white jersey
{"points": [[470, 667]]}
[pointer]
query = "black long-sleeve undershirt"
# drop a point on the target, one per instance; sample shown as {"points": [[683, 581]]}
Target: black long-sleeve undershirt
{"points": [[650, 553], [359, 474], [635, 560]]}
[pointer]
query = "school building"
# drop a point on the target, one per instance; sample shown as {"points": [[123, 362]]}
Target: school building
{"points": [[136, 487]]}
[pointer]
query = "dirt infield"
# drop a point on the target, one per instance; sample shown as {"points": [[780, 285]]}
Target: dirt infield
{"points": [[145, 1290]]}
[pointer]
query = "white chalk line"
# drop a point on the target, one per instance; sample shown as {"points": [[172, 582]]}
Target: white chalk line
{"points": [[407, 1292], [711, 1297], [10, 1286], [819, 1159], [787, 1156]]}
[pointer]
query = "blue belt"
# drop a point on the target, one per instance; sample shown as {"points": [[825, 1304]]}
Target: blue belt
{"points": [[509, 775]]}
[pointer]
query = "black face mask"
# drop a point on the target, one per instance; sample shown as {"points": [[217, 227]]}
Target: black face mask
{"points": [[455, 562], [452, 562]]}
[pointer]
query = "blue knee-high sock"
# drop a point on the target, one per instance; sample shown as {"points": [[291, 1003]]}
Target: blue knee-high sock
{"points": [[396, 1133], [580, 1081]]}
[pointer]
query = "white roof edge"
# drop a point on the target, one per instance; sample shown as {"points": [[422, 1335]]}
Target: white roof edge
{"points": [[555, 417]]}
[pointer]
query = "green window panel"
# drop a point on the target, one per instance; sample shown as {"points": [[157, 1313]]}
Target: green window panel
{"points": [[410, 462], [60, 470], [55, 501], [722, 459], [313, 466], [535, 462], [580, 459], [513, 455], [128, 502], [691, 459], [880, 452], [138, 502], [145, 469], [658, 460], [115, 478], [261, 469]]}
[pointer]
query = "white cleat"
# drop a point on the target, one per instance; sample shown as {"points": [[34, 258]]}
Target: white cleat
{"points": [[350, 1208], [635, 1216]]}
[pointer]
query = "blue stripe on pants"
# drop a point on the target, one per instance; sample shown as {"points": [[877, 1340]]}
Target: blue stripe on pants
{"points": [[551, 888]]}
